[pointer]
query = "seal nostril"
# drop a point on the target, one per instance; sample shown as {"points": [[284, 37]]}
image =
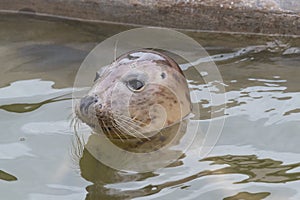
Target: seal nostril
{"points": [[85, 103]]}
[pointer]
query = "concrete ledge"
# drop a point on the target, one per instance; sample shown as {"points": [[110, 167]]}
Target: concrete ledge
{"points": [[248, 16]]}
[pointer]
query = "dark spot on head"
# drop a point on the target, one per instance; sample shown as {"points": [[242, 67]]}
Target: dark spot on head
{"points": [[175, 101], [163, 75], [150, 104], [160, 102], [130, 57], [140, 103], [176, 77]]}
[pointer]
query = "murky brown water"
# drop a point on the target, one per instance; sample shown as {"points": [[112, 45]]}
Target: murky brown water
{"points": [[256, 157]]}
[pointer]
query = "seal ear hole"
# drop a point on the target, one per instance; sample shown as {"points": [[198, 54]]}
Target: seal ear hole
{"points": [[163, 75], [135, 85]]}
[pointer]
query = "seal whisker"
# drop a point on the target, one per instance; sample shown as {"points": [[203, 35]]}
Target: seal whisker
{"points": [[121, 126], [116, 132], [131, 124], [109, 131], [125, 127], [103, 125], [123, 132], [129, 120], [133, 119], [128, 123], [120, 131], [75, 123]]}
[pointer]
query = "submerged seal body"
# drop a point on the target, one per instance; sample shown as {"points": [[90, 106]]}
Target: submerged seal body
{"points": [[140, 93]]}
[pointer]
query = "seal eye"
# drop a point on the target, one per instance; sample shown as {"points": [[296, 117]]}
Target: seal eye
{"points": [[135, 85]]}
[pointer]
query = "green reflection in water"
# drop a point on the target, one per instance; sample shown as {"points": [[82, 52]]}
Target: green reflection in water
{"points": [[7, 177], [292, 112], [28, 107], [258, 170], [247, 195], [100, 175]]}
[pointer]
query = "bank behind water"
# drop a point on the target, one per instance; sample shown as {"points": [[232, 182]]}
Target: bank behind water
{"points": [[246, 16]]}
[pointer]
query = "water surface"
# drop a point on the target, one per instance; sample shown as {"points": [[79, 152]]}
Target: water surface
{"points": [[256, 157]]}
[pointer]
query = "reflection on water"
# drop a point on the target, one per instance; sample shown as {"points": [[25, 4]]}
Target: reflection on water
{"points": [[256, 157], [29, 107], [7, 177], [101, 175], [258, 170], [247, 195]]}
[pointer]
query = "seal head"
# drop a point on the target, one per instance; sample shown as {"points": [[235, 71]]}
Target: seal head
{"points": [[140, 93]]}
